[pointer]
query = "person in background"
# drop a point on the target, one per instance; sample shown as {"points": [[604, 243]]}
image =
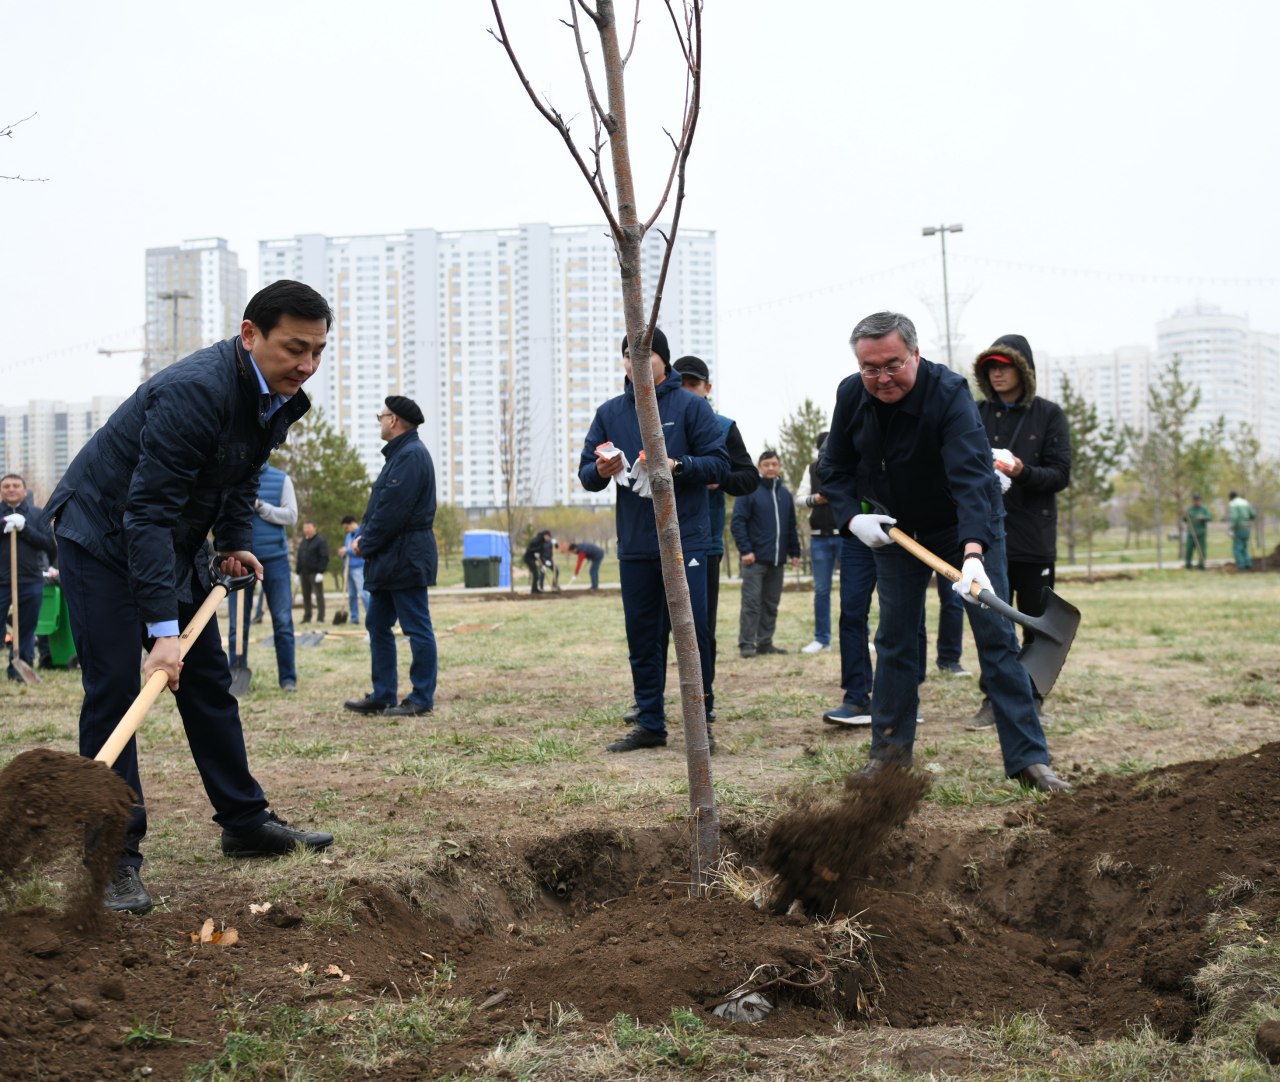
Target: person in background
{"points": [[1031, 447], [1240, 516], [25, 521], [824, 552], [312, 561], [538, 558], [587, 551], [354, 568], [1197, 516], [399, 549], [764, 531], [275, 510]]}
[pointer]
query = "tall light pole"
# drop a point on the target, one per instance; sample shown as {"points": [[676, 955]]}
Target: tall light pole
{"points": [[174, 295], [942, 231]]}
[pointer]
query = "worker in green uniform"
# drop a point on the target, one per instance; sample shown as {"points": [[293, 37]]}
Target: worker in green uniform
{"points": [[1197, 516]]}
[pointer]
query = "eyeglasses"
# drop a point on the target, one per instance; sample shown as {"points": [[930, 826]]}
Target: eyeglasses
{"points": [[379, 416], [873, 372]]}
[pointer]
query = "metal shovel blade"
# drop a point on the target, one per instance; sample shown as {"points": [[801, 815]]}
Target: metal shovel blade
{"points": [[1055, 630], [241, 674], [309, 638]]}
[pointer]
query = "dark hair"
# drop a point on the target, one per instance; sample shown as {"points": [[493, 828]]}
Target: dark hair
{"points": [[348, 519], [19, 477], [308, 522], [286, 298], [883, 324], [766, 454], [1232, 495]]}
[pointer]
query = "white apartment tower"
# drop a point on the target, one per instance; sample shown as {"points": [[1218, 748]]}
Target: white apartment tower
{"points": [[196, 293], [40, 439], [507, 338]]}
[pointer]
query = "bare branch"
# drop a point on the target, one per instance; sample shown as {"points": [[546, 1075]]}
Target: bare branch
{"points": [[635, 29], [683, 35], [7, 130], [25, 180], [592, 15], [554, 119], [601, 113]]}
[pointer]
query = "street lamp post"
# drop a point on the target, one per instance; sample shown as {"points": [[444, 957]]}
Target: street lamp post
{"points": [[942, 231], [174, 295]]}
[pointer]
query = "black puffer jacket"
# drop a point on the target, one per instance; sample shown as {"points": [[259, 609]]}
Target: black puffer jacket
{"points": [[1035, 430], [178, 459], [396, 541]]}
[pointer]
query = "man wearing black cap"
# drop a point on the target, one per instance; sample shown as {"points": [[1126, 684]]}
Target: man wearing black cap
{"points": [[399, 551], [1032, 447], [697, 457]]}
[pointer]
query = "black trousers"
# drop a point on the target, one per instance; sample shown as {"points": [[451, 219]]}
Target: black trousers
{"points": [[109, 634], [308, 581]]}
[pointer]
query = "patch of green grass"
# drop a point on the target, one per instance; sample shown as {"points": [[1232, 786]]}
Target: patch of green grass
{"points": [[954, 794], [686, 1043], [825, 764], [539, 751], [1251, 692], [144, 1034], [290, 748]]}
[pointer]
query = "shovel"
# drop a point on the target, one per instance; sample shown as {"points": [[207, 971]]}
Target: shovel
{"points": [[309, 638], [25, 671], [242, 675], [128, 725], [1055, 630]]}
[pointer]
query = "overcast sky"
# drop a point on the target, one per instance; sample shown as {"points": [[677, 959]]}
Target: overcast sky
{"points": [[1109, 161]]}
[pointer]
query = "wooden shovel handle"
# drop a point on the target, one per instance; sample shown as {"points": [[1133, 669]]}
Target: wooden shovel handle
{"points": [[123, 732], [13, 581], [925, 556]]}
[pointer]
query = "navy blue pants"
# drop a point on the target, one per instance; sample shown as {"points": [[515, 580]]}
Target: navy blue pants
{"points": [[413, 611], [644, 607], [110, 635]]}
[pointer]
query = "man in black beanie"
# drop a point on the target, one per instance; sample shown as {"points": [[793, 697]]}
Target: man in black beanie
{"points": [[399, 551]]}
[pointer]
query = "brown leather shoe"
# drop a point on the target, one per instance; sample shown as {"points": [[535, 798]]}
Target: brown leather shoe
{"points": [[1041, 776]]}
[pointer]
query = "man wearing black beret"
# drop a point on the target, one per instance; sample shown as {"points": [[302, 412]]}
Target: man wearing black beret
{"points": [[399, 551]]}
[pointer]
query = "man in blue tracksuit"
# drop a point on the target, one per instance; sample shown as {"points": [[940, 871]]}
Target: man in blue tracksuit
{"points": [[764, 531], [696, 450]]}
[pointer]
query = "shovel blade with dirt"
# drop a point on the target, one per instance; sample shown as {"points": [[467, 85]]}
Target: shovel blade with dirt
{"points": [[1055, 630]]}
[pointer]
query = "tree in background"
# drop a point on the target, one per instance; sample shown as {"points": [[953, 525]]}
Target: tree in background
{"points": [[1168, 460], [1096, 453], [329, 478], [517, 498], [797, 439], [450, 525], [1245, 469]]}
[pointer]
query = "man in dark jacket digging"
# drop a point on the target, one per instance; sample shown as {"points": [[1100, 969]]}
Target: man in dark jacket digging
{"points": [[399, 551], [906, 434], [180, 458]]}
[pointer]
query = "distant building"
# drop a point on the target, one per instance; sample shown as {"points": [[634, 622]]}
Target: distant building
{"points": [[40, 439], [1235, 368], [507, 338], [205, 292]]}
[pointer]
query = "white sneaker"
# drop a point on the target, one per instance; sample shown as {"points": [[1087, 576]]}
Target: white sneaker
{"points": [[815, 647]]}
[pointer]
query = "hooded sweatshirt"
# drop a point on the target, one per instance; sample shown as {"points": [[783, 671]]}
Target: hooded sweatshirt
{"points": [[1035, 430]]}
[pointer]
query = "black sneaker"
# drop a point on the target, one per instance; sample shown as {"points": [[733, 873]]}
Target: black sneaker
{"points": [[769, 648], [126, 894], [747, 651], [954, 668], [407, 709], [274, 838], [367, 705], [984, 720], [852, 714], [1042, 778], [638, 738]]}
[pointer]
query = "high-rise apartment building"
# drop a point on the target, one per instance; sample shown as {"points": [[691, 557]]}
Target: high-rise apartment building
{"points": [[1116, 382], [40, 439], [195, 295], [507, 338]]}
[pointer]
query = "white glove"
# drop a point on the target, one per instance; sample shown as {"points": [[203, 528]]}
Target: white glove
{"points": [[319, 576], [972, 571], [1003, 454], [573, 580], [869, 529], [14, 523]]}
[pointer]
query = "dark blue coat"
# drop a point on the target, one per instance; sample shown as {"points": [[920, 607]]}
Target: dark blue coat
{"points": [[35, 547], [396, 541], [176, 460], [764, 523], [694, 437], [931, 469]]}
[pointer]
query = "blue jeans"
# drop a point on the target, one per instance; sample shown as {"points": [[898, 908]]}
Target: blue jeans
{"points": [[857, 583], [644, 609], [823, 552], [411, 609], [902, 581], [356, 593], [950, 624], [277, 588]]}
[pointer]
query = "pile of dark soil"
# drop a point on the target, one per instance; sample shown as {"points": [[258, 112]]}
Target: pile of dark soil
{"points": [[1090, 907]]}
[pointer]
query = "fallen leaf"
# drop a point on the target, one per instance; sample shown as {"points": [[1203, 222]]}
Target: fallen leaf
{"points": [[335, 972], [305, 967], [255, 907], [206, 932], [226, 938]]}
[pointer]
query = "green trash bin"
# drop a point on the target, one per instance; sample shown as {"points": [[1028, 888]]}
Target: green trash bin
{"points": [[495, 570], [475, 571], [55, 624]]}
